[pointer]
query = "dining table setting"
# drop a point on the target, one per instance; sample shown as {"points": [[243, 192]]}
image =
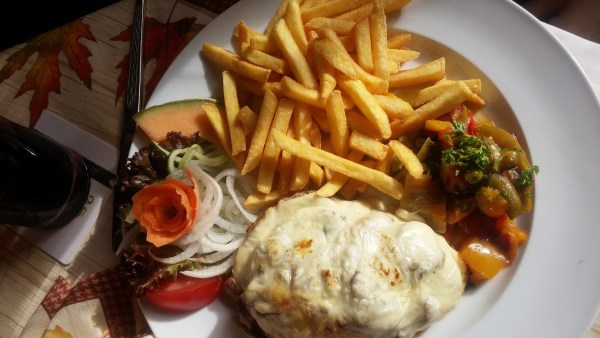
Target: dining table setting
{"points": [[75, 84]]}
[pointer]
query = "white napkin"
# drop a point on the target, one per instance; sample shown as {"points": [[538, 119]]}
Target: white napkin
{"points": [[586, 52]]}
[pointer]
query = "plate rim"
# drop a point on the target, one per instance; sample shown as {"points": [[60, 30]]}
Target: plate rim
{"points": [[585, 91]]}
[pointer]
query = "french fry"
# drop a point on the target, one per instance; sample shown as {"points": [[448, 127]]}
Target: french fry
{"points": [[476, 99], [326, 76], [359, 122], [227, 60], [445, 102], [358, 14], [336, 56], [374, 84], [399, 40], [432, 109], [326, 146], [243, 33], [334, 37], [473, 84], [316, 174], [367, 145], [331, 8], [294, 56], [293, 19], [302, 128], [251, 86], [315, 136], [344, 43], [338, 127], [279, 12], [232, 109], [393, 66], [342, 27], [265, 43], [292, 89], [338, 180], [219, 124], [248, 118], [244, 97], [385, 165], [285, 167], [275, 87], [354, 186], [258, 88], [408, 158], [426, 73], [263, 59], [348, 43], [363, 12], [408, 94], [320, 118], [376, 179], [364, 55], [367, 104], [395, 107], [306, 4], [431, 92], [311, 35], [394, 5], [261, 132], [266, 170], [363, 186], [402, 55], [378, 31], [258, 200]]}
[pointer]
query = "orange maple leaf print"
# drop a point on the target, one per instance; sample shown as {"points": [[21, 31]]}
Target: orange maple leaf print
{"points": [[44, 76], [162, 43]]}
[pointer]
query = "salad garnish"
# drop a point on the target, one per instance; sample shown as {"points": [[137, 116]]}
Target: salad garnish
{"points": [[186, 214]]}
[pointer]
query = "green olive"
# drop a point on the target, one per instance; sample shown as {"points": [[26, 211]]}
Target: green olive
{"points": [[473, 177], [509, 159], [505, 140], [509, 192]]}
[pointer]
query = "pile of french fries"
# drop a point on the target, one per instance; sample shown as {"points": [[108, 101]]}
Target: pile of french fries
{"points": [[320, 99]]}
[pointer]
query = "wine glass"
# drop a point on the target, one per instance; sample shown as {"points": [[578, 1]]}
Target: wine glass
{"points": [[43, 184]]}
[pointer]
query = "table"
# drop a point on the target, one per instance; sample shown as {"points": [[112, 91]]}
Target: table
{"points": [[91, 102]]}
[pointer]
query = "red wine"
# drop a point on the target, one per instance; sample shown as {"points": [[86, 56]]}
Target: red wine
{"points": [[42, 183]]}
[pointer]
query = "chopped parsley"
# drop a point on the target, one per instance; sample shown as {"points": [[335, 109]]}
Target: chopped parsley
{"points": [[468, 153], [525, 178], [458, 128]]}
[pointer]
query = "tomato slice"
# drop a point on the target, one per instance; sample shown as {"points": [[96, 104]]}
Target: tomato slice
{"points": [[185, 293]]}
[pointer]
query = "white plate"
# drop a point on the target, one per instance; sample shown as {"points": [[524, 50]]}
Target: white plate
{"points": [[533, 88]]}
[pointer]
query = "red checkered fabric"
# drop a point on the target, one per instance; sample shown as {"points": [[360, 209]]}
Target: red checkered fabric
{"points": [[56, 296], [110, 288]]}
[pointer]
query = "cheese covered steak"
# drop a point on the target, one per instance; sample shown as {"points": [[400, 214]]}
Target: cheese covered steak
{"points": [[322, 267]]}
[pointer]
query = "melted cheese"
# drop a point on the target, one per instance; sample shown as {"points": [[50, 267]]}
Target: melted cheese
{"points": [[319, 267]]}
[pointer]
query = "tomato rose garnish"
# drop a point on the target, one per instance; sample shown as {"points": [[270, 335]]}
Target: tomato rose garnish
{"points": [[166, 210]]}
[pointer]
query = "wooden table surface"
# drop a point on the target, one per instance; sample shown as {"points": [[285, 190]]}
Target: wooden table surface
{"points": [[26, 272]]}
